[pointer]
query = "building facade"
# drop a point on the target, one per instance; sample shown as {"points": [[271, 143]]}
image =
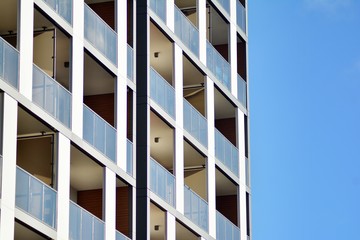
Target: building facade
{"points": [[124, 119]]}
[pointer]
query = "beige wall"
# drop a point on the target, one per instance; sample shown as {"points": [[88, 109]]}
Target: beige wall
{"points": [[197, 182], [43, 51]]}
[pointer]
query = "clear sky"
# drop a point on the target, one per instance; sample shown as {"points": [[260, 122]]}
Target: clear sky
{"points": [[304, 60]]}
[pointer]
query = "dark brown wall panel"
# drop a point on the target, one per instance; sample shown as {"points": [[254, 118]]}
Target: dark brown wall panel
{"points": [[227, 127], [106, 11], [227, 206], [223, 50], [91, 200], [103, 105]]}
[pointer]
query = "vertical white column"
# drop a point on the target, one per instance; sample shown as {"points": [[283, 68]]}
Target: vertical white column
{"points": [[179, 139], [77, 70], [63, 186], [8, 168], [109, 193], [170, 226], [211, 181], [170, 18], [121, 86], [233, 47], [240, 129], [25, 43], [242, 218], [201, 16]]}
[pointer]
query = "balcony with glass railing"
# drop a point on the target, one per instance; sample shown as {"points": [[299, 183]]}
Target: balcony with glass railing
{"points": [[130, 63], [162, 182], [225, 4], [218, 65], [61, 7], [159, 7], [225, 229], [100, 35], [195, 123], [35, 198], [120, 236], [186, 31], [240, 16], [162, 92], [241, 87], [226, 152], [129, 157], [9, 63], [98, 133], [196, 209], [83, 225], [51, 96]]}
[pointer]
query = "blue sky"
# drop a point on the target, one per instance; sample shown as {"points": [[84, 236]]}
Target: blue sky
{"points": [[304, 66]]}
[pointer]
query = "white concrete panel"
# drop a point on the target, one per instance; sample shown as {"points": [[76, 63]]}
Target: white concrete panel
{"points": [[240, 129], [170, 18], [77, 84], [63, 186], [8, 168], [170, 226], [201, 16], [25, 43], [121, 26], [242, 198], [210, 165], [233, 58], [110, 203], [179, 139]]}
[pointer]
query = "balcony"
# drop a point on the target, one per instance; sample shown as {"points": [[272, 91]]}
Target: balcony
{"points": [[186, 31], [162, 182], [84, 225], [159, 7], [241, 16], [196, 209], [51, 96], [225, 4], [162, 93], [225, 229], [226, 153], [129, 157], [100, 35], [241, 85], [195, 123], [9, 63], [218, 65], [35, 198], [98, 133], [130, 63], [61, 7]]}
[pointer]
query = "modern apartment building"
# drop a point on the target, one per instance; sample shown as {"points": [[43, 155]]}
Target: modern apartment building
{"points": [[124, 119]]}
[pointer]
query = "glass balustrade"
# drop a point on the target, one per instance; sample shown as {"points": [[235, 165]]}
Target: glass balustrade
{"points": [[196, 209], [195, 123], [129, 157], [162, 182], [186, 31], [9, 63], [61, 7], [35, 198], [225, 229], [218, 65], [226, 153], [241, 90], [162, 93], [247, 174], [100, 35], [130, 63], [51, 96], [84, 225], [225, 4], [120, 236], [159, 7], [240, 16], [98, 133]]}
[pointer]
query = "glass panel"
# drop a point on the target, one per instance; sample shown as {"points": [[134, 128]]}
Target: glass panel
{"points": [[62, 7], [129, 157], [100, 35], [240, 16], [1, 58], [159, 7], [162, 182], [196, 209], [49, 206], [99, 134], [225, 4], [110, 142], [162, 93], [241, 90], [86, 226], [130, 63], [225, 229], [22, 190], [120, 236], [36, 198], [75, 222], [186, 31], [88, 125], [11, 65], [98, 230]]}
